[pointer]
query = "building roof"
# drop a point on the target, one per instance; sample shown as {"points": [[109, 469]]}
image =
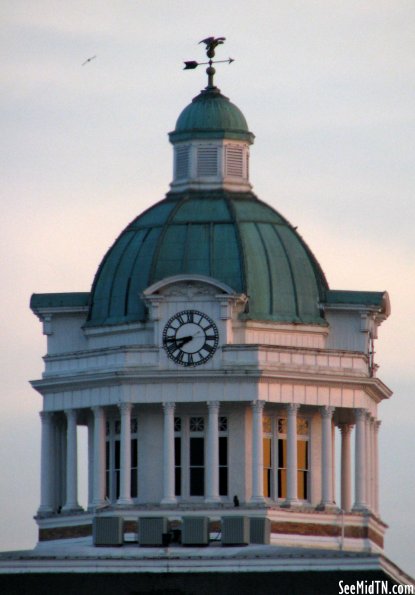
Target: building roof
{"points": [[294, 569], [40, 301], [232, 237], [211, 115]]}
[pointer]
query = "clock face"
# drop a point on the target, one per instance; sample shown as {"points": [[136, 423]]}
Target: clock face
{"points": [[190, 338]]}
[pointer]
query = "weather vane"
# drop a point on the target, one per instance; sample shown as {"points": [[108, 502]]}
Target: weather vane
{"points": [[211, 44]]}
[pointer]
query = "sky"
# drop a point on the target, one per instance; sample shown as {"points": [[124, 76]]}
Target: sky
{"points": [[327, 87]]}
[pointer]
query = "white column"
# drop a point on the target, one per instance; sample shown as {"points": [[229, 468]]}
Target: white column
{"points": [[292, 463], [326, 456], [125, 454], [212, 459], [71, 462], [46, 463], [168, 455], [360, 460], [99, 456], [257, 452], [376, 466], [90, 460], [369, 465], [346, 468]]}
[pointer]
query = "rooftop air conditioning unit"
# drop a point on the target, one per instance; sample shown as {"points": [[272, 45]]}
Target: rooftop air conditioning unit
{"points": [[108, 530], [151, 530], [260, 530], [235, 530], [195, 530]]}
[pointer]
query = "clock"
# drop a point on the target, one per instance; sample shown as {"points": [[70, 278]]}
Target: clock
{"points": [[190, 338]]}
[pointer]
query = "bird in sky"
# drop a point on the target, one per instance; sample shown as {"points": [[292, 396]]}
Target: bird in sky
{"points": [[89, 60]]}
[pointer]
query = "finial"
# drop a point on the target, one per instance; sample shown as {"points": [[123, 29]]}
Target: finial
{"points": [[211, 44]]}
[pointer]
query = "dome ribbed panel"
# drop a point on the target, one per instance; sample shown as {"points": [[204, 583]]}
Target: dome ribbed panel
{"points": [[225, 256], [104, 280], [303, 274], [256, 267], [231, 237], [282, 286], [140, 274]]}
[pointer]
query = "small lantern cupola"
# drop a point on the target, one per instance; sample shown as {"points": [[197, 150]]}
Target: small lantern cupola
{"points": [[211, 140]]}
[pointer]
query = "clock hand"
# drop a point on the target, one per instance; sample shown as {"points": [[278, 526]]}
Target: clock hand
{"points": [[183, 341], [178, 341]]}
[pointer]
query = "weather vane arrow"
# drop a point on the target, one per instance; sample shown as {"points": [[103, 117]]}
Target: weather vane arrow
{"points": [[211, 44]]}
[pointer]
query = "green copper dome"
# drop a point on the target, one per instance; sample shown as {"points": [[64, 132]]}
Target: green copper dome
{"points": [[211, 115], [232, 237]]}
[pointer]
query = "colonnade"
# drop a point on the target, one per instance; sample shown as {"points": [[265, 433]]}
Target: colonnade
{"points": [[365, 464]]}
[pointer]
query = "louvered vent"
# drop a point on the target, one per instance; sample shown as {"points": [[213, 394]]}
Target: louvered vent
{"points": [[207, 161], [260, 530], [182, 163], [235, 530], [195, 531], [234, 161], [108, 531], [151, 530]]}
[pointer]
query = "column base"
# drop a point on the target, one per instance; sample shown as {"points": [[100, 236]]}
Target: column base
{"points": [[291, 503], [44, 510], [212, 500], [99, 503], [257, 500], [72, 508], [360, 507], [328, 507], [169, 501], [124, 502]]}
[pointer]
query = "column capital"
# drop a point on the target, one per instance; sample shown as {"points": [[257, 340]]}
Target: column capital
{"points": [[377, 425], [345, 428], [360, 414], [292, 408], [125, 408], [98, 411], [169, 406], [213, 406], [327, 411], [258, 405], [71, 413], [45, 416]]}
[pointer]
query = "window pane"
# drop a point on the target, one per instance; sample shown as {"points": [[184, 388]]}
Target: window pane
{"points": [[178, 481], [223, 481], [223, 450], [302, 485], [267, 452], [117, 484], [223, 424], [134, 454], [282, 483], [282, 425], [197, 424], [197, 481], [117, 454], [133, 483], [282, 453], [302, 426], [302, 454], [177, 451], [197, 455], [107, 455]]}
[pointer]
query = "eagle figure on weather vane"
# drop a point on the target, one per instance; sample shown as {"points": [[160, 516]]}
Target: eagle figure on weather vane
{"points": [[211, 45]]}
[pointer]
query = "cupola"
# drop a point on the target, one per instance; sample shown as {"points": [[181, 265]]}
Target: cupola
{"points": [[211, 143]]}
